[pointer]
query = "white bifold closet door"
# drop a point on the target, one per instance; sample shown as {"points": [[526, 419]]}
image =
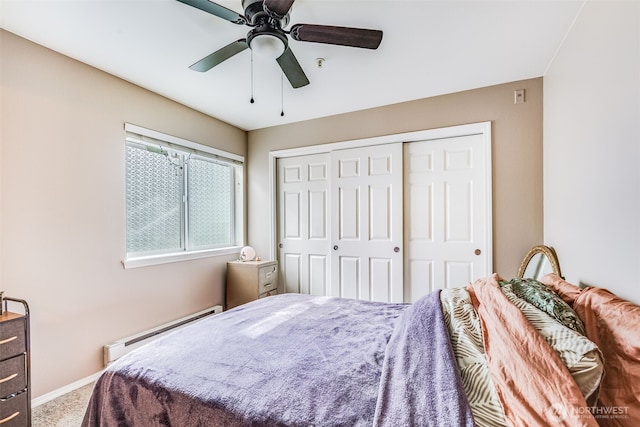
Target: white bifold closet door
{"points": [[366, 230], [446, 192], [387, 222], [340, 223], [303, 223]]}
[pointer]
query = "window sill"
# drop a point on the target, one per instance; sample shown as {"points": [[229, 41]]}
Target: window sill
{"points": [[146, 261]]}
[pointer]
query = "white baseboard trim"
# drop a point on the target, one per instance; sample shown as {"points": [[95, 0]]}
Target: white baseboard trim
{"points": [[64, 390]]}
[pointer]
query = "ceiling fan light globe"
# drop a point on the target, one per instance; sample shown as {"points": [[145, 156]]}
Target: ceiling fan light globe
{"points": [[267, 46]]}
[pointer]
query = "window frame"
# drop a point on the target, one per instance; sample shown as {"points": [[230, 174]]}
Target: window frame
{"points": [[137, 135]]}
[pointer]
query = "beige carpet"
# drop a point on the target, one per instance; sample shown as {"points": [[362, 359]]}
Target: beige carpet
{"points": [[64, 411]]}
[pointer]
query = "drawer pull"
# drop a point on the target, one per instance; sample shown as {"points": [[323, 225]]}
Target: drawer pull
{"points": [[266, 285], [8, 340], [10, 417], [9, 378]]}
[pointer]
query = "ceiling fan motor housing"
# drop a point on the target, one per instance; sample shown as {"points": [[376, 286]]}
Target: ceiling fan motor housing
{"points": [[267, 37], [256, 14]]}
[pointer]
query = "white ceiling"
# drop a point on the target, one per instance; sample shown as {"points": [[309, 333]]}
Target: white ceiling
{"points": [[429, 48]]}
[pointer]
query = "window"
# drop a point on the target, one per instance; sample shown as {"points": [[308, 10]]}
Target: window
{"points": [[183, 199]]}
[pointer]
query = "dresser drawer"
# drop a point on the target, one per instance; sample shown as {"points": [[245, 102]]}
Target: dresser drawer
{"points": [[13, 411], [13, 375], [267, 278], [12, 338]]}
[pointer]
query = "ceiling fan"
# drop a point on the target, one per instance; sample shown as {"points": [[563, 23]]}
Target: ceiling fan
{"points": [[268, 18]]}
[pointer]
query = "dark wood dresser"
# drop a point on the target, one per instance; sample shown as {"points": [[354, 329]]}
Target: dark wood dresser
{"points": [[15, 387]]}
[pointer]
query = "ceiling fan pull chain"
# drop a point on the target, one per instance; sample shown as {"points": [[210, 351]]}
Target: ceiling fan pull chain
{"points": [[282, 94], [252, 101]]}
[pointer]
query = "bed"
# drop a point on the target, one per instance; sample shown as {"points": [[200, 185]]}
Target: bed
{"points": [[495, 352]]}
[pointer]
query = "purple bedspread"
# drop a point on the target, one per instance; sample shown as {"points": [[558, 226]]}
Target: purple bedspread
{"points": [[420, 382], [290, 360]]}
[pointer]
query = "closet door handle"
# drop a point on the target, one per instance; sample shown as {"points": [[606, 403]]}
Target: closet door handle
{"points": [[335, 247]]}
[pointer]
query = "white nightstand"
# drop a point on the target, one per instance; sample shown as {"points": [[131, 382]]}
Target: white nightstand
{"points": [[250, 280]]}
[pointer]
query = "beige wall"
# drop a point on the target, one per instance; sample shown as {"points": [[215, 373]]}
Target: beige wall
{"points": [[516, 145], [592, 149], [62, 209]]}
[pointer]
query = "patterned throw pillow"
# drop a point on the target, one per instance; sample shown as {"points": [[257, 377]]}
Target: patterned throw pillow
{"points": [[543, 298]]}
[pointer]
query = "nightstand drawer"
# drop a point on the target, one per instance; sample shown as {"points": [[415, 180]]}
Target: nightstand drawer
{"points": [[268, 294], [14, 410], [267, 278], [268, 286], [13, 375], [12, 338]]}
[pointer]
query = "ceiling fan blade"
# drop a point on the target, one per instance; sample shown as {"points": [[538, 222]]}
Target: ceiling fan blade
{"points": [[217, 10], [344, 36], [220, 55], [279, 8], [292, 69]]}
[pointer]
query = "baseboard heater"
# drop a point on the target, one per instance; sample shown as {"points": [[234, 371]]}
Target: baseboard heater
{"points": [[117, 349]]}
